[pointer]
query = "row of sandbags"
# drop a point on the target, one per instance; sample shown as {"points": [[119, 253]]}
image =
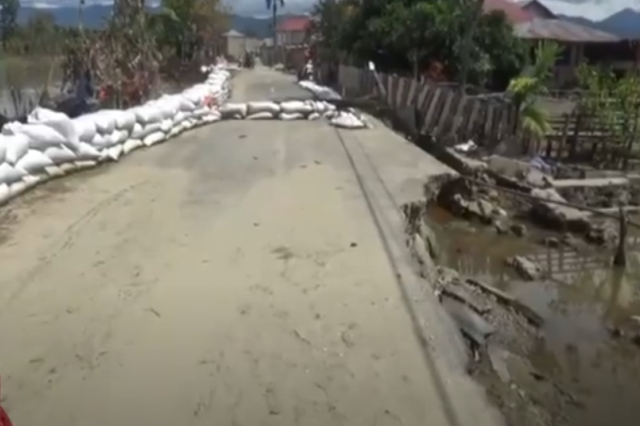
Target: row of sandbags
{"points": [[293, 110], [51, 144]]}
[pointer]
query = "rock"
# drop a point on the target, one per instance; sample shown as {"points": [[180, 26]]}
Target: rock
{"points": [[527, 268], [518, 229], [603, 233], [482, 209], [552, 242], [500, 227], [549, 213]]}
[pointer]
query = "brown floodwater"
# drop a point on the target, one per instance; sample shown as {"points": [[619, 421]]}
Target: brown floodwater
{"points": [[581, 299]]}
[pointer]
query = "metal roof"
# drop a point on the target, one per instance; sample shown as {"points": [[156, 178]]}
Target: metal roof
{"points": [[560, 30]]}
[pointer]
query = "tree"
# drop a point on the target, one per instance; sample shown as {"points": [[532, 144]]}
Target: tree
{"points": [[8, 19], [274, 5], [405, 36]]}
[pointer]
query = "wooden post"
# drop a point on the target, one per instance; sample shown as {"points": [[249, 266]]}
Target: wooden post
{"points": [[620, 258]]}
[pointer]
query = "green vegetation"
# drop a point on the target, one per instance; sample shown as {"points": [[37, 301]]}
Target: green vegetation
{"points": [[412, 36], [532, 84], [613, 106]]}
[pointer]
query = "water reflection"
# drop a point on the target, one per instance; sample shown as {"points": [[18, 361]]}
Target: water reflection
{"points": [[582, 298]]}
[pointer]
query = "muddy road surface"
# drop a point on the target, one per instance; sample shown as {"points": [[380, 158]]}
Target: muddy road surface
{"points": [[232, 276]]}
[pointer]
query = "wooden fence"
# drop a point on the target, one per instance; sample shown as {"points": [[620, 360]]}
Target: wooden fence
{"points": [[449, 115]]}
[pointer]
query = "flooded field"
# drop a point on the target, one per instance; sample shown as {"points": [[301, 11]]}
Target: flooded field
{"points": [[582, 300]]}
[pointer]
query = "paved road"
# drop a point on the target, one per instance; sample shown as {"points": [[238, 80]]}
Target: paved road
{"points": [[234, 276]]}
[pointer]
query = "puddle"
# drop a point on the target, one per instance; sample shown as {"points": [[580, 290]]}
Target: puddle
{"points": [[580, 300]]}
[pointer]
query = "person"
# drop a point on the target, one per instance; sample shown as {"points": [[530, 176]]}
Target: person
{"points": [[81, 99]]}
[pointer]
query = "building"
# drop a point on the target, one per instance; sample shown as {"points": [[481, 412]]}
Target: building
{"points": [[236, 44], [583, 41], [292, 31]]}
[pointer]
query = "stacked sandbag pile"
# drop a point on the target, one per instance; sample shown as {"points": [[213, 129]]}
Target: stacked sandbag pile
{"points": [[293, 110], [50, 144], [349, 119]]}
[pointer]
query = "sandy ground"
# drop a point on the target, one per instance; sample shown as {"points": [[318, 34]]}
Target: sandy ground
{"points": [[232, 277]]}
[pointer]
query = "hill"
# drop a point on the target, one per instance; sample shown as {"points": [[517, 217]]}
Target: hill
{"points": [[96, 15]]}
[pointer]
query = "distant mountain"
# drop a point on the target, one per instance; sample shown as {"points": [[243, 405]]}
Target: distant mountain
{"points": [[624, 24], [96, 15]]}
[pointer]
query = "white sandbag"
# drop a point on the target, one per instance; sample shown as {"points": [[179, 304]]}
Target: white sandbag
{"points": [[117, 137], [230, 110], [186, 104], [319, 107], [291, 116], [60, 154], [261, 116], [266, 106], [87, 152], [54, 171], [18, 188], [314, 116], [115, 152], [166, 125], [292, 107], [58, 122], [154, 138], [131, 145], [40, 136], [40, 114], [85, 164], [34, 161], [105, 121], [146, 114], [211, 118], [200, 112], [125, 120], [68, 168], [85, 127], [16, 146], [10, 174], [4, 193], [3, 149], [347, 120], [32, 180], [142, 131]]}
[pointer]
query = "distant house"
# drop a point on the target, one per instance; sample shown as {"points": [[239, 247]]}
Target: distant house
{"points": [[236, 44], [292, 31], [584, 40]]}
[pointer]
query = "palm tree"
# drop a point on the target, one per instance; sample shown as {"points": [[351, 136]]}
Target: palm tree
{"points": [[273, 5]]}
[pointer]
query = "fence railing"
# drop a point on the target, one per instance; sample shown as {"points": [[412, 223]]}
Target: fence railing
{"points": [[449, 115]]}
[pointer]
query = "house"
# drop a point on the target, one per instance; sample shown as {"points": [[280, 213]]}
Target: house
{"points": [[236, 44], [620, 53], [292, 31], [575, 39]]}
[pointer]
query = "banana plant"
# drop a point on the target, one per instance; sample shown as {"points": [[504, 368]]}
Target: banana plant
{"points": [[532, 84]]}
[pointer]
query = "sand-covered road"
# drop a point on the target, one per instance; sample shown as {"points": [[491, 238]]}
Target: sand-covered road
{"points": [[230, 277]]}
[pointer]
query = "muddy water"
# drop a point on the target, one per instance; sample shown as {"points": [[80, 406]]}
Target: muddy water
{"points": [[580, 301]]}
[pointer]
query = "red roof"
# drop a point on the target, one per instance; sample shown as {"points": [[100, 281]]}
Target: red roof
{"points": [[515, 14], [297, 23]]}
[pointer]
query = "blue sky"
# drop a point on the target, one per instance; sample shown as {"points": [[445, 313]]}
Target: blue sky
{"points": [[591, 9]]}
